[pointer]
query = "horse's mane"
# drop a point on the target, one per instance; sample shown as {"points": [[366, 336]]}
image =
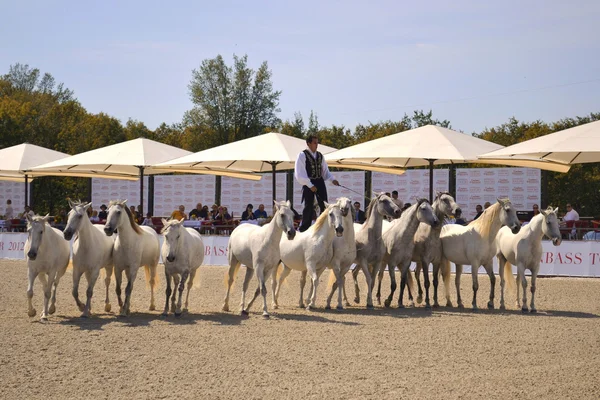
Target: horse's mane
{"points": [[134, 225], [370, 208], [321, 219], [483, 224]]}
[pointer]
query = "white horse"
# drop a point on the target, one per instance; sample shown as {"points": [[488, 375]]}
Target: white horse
{"points": [[370, 249], [47, 257], [311, 251], [474, 245], [525, 251], [257, 247], [399, 243], [428, 248], [92, 251], [134, 246], [182, 253]]}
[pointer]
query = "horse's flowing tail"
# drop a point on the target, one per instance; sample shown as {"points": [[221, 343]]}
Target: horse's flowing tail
{"points": [[226, 276], [280, 268], [151, 274], [332, 279], [509, 279]]}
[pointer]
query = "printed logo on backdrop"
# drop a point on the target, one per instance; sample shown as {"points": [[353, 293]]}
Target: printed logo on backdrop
{"points": [[489, 173], [533, 181], [517, 172], [474, 189], [475, 198], [475, 173], [475, 181], [489, 181]]}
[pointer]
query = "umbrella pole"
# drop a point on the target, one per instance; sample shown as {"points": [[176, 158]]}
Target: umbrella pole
{"points": [[141, 191], [274, 166], [431, 181], [26, 190]]}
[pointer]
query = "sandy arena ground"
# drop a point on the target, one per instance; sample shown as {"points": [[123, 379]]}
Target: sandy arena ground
{"points": [[355, 353]]}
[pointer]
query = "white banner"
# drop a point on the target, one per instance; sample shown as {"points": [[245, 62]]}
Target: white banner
{"points": [[171, 191], [15, 192], [215, 247], [581, 259], [412, 184], [477, 185], [236, 193], [354, 180]]}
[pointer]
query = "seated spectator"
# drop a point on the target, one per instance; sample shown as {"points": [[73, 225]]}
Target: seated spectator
{"points": [[359, 215], [179, 214], [260, 213], [458, 219], [205, 212], [406, 206], [486, 205], [396, 200], [571, 214], [223, 217], [214, 211], [32, 214], [94, 217], [103, 214], [199, 212], [248, 214], [536, 210], [479, 210], [148, 221]]}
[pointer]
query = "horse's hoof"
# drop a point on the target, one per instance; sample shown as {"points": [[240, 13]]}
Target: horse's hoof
{"points": [[533, 310], [448, 303], [310, 308], [400, 305], [460, 305], [266, 316], [225, 308], [387, 303], [185, 310], [475, 308], [44, 319], [411, 304], [428, 306], [435, 305], [524, 309], [357, 300], [81, 306], [178, 314], [301, 305], [419, 299], [32, 312], [244, 313], [85, 315], [152, 307], [123, 313], [107, 307], [349, 305], [165, 314], [328, 307], [52, 309], [502, 307], [370, 306], [275, 307], [490, 306], [339, 308]]}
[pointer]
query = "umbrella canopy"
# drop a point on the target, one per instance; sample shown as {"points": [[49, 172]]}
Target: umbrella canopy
{"points": [[16, 162], [577, 145], [428, 145], [268, 152]]}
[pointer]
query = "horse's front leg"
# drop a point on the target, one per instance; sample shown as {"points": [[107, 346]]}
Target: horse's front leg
{"points": [[302, 284], [404, 271], [274, 287], [284, 273], [524, 284], [501, 266], [167, 292], [184, 277], [118, 281], [418, 278], [534, 272], [474, 270], [340, 286], [153, 276], [379, 281], [176, 280], [77, 272], [262, 285], [131, 274], [459, 269], [92, 278], [32, 274], [425, 268], [392, 273], [489, 268], [312, 270], [47, 293], [356, 287], [189, 287], [109, 272]]}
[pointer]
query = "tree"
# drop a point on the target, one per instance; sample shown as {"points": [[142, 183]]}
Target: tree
{"points": [[421, 118], [232, 103]]}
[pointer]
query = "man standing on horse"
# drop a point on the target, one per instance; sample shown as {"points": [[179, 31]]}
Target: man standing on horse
{"points": [[311, 172]]}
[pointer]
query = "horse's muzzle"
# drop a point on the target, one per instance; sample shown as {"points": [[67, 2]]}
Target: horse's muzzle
{"points": [[515, 229], [458, 210], [68, 234], [108, 230], [397, 213], [556, 241], [339, 231], [291, 234], [32, 255], [170, 258]]}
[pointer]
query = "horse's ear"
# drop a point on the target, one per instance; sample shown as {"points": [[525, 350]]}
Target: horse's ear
{"points": [[164, 221], [326, 204], [276, 204], [556, 211], [543, 212], [124, 201], [70, 203], [288, 204], [438, 193], [88, 205], [181, 220], [45, 219]]}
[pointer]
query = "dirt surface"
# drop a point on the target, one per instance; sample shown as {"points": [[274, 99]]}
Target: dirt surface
{"points": [[354, 353]]}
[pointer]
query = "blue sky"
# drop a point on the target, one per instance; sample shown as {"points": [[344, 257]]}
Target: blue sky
{"points": [[475, 63]]}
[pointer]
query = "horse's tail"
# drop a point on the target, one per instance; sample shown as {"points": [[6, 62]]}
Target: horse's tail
{"points": [[410, 281], [226, 276], [69, 265], [280, 268], [151, 274], [445, 272], [509, 279], [332, 279]]}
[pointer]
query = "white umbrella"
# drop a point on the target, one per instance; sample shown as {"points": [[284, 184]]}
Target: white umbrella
{"points": [[126, 160], [268, 152], [17, 161], [577, 145], [425, 146]]}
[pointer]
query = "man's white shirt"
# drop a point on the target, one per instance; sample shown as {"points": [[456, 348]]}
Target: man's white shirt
{"points": [[300, 170], [571, 216]]}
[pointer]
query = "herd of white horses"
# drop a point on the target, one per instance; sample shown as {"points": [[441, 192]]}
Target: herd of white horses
{"points": [[276, 249]]}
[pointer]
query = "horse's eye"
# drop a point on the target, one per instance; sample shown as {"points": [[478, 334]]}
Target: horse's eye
{"points": [[79, 216]]}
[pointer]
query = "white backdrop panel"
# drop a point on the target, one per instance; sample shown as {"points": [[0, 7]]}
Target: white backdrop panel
{"points": [[171, 191], [354, 180], [236, 193], [105, 190], [412, 184], [15, 192]]}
